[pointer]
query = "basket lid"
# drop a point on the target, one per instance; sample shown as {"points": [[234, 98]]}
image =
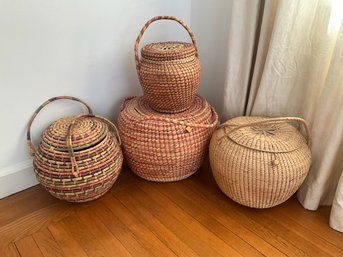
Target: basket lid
{"points": [[86, 133], [269, 137], [136, 110], [168, 51]]}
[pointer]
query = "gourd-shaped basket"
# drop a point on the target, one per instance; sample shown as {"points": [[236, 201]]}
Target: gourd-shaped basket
{"points": [[260, 162], [165, 147], [78, 158], [169, 72]]}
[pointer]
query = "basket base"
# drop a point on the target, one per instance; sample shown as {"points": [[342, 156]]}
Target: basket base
{"points": [[163, 179]]}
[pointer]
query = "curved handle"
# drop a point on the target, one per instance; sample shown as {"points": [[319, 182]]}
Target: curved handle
{"points": [[147, 24], [28, 131], [274, 120], [75, 168]]}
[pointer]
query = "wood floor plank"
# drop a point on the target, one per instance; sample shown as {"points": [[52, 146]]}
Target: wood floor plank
{"points": [[47, 244], [120, 231], [188, 221], [67, 243], [83, 236], [23, 203], [301, 241], [188, 236], [99, 230], [141, 232], [27, 247], [162, 232], [314, 221], [297, 229], [33, 222], [139, 218], [202, 213], [233, 212], [9, 251]]}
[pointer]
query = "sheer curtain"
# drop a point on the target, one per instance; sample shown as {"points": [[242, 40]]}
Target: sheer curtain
{"points": [[286, 59]]}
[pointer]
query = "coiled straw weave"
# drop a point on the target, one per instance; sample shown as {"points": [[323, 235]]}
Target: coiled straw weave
{"points": [[78, 158], [169, 72], [165, 147], [260, 162]]}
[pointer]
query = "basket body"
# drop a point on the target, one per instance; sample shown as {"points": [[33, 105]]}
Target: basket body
{"points": [[97, 155], [259, 166], [169, 75], [165, 147]]}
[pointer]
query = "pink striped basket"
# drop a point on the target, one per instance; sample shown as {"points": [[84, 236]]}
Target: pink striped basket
{"points": [[78, 158], [165, 147]]}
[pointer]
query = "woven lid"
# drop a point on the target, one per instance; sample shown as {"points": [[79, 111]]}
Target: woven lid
{"points": [[268, 137], [86, 132], [168, 51], [199, 112], [137, 112]]}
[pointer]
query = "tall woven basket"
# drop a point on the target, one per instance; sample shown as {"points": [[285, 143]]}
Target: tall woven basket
{"points": [[260, 162], [78, 158], [165, 147], [169, 72]]}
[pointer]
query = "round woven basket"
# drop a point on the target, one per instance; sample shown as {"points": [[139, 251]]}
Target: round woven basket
{"points": [[169, 72], [260, 162], [78, 158], [165, 147]]}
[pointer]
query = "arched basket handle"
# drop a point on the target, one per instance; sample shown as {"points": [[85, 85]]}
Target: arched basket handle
{"points": [[30, 145], [274, 121], [75, 168], [147, 24]]}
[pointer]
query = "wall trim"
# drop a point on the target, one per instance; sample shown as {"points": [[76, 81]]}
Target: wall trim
{"points": [[16, 178]]}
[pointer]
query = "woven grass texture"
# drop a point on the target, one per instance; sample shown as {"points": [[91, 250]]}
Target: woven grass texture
{"points": [[260, 162], [165, 147], [169, 72], [79, 158]]}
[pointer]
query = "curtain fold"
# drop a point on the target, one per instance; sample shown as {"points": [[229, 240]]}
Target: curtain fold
{"points": [[297, 70]]}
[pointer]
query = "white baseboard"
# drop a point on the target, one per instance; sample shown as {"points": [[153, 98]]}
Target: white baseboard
{"points": [[16, 178]]}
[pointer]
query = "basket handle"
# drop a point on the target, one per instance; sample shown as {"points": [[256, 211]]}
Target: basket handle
{"points": [[29, 143], [147, 24], [75, 168], [274, 121]]}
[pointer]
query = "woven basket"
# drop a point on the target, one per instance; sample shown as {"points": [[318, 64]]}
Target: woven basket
{"points": [[165, 147], [260, 162], [78, 158], [169, 72]]}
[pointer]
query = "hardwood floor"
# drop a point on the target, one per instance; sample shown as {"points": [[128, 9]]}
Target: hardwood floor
{"points": [[140, 218]]}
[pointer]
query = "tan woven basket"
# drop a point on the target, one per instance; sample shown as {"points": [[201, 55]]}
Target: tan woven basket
{"points": [[260, 162], [165, 147], [78, 158], [169, 72]]}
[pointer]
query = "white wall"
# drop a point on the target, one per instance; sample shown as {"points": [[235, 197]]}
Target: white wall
{"points": [[210, 20], [82, 48]]}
